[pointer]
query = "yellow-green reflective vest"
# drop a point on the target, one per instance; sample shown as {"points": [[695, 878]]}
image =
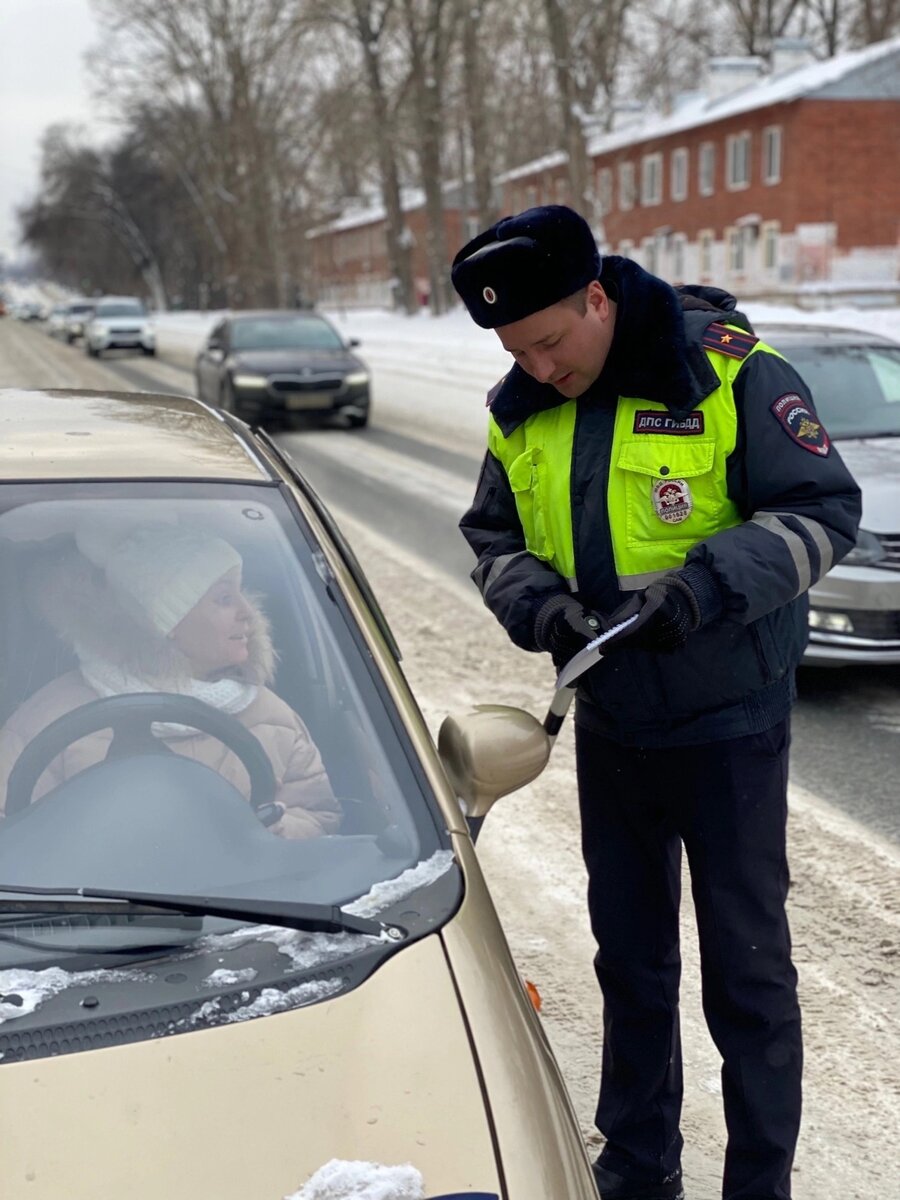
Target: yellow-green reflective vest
{"points": [[666, 492]]}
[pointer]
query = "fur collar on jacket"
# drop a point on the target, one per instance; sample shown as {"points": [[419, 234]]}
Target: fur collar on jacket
{"points": [[76, 601], [656, 352]]}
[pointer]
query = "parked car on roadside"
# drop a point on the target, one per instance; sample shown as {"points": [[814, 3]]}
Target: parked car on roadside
{"points": [[278, 365], [854, 378], [57, 319], [78, 313], [119, 323], [176, 969]]}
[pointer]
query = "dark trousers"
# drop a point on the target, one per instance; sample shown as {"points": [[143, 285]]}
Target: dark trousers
{"points": [[726, 802]]}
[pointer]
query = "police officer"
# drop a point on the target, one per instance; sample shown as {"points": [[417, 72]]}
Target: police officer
{"points": [[648, 456]]}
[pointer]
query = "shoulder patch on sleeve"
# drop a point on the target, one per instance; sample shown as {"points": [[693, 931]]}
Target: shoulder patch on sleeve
{"points": [[801, 424], [492, 394], [734, 343]]}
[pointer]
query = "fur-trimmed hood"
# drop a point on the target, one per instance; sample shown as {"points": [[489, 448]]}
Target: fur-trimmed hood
{"points": [[96, 623]]}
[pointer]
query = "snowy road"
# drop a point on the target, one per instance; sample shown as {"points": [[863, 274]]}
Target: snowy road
{"points": [[844, 908]]}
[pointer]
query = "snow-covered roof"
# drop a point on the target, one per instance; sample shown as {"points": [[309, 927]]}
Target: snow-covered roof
{"points": [[411, 198], [823, 80], [547, 163]]}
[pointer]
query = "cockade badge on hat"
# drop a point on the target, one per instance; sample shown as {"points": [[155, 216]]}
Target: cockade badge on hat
{"points": [[490, 295]]}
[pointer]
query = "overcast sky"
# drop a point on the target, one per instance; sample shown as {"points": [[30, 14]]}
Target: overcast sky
{"points": [[42, 81]]}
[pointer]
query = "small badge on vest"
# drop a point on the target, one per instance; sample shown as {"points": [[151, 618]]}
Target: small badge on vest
{"points": [[672, 500], [650, 421], [801, 424]]}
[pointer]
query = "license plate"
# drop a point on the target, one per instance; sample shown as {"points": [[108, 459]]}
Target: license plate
{"points": [[297, 400]]}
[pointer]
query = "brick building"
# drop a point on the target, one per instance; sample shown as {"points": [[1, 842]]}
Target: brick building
{"points": [[782, 185], [349, 256]]}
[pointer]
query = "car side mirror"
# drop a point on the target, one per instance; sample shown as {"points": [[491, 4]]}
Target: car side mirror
{"points": [[352, 343], [213, 344], [490, 751]]}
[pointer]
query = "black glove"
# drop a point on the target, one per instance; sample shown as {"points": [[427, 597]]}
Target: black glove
{"points": [[563, 626], [666, 613]]}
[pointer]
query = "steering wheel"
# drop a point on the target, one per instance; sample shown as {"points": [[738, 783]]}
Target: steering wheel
{"points": [[131, 717]]}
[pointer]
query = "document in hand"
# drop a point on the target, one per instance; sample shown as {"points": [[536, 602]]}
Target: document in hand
{"points": [[588, 655]]}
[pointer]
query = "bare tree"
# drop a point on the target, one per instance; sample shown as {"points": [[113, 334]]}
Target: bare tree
{"points": [[428, 29], [231, 66], [474, 85]]}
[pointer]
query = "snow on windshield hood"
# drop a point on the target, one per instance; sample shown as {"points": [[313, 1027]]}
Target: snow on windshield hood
{"points": [[340, 1180], [269, 1000], [21, 992], [392, 890]]}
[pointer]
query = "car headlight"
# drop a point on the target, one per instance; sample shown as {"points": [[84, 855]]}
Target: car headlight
{"points": [[355, 378], [867, 551], [250, 381], [96, 327], [831, 622]]}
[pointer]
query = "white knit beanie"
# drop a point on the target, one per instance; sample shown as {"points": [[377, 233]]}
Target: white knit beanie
{"points": [[163, 569]]}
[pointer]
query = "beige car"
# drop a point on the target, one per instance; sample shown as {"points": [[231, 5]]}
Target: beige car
{"points": [[198, 997]]}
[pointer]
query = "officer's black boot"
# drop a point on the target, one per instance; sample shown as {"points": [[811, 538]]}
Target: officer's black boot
{"points": [[616, 1187]]}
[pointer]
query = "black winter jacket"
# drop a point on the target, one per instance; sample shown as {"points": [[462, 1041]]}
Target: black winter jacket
{"points": [[800, 512]]}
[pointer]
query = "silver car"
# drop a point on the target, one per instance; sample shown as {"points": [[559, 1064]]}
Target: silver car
{"points": [[119, 323], [854, 378]]}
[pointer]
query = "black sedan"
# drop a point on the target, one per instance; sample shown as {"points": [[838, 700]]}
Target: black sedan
{"points": [[277, 365]]}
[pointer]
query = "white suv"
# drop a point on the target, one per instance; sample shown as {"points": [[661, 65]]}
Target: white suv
{"points": [[119, 323]]}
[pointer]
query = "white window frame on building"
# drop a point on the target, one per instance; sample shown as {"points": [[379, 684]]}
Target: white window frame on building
{"points": [[626, 248], [679, 244], [706, 239], [738, 149], [706, 168], [771, 238], [736, 248], [649, 251], [626, 186], [604, 184], [771, 154], [679, 178], [651, 179]]}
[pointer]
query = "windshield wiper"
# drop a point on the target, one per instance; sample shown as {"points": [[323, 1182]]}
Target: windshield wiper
{"points": [[311, 918]]}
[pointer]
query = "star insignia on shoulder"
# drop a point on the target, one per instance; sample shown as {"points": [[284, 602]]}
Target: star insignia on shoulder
{"points": [[726, 337]]}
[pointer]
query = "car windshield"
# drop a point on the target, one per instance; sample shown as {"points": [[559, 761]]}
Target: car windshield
{"points": [[215, 595], [124, 308], [856, 388], [78, 310], [284, 333]]}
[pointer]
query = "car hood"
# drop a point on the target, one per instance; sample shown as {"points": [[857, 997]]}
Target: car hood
{"points": [[290, 361], [875, 465], [250, 1111]]}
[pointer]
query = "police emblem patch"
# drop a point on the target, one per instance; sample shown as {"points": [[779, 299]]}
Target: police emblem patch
{"points": [[672, 500], [801, 424], [490, 295]]}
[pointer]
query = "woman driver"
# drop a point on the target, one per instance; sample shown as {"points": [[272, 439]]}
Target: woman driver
{"points": [[161, 609]]}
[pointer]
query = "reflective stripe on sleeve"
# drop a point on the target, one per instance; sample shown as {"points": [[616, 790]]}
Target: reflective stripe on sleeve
{"points": [[820, 537], [636, 583], [794, 543], [498, 566]]}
